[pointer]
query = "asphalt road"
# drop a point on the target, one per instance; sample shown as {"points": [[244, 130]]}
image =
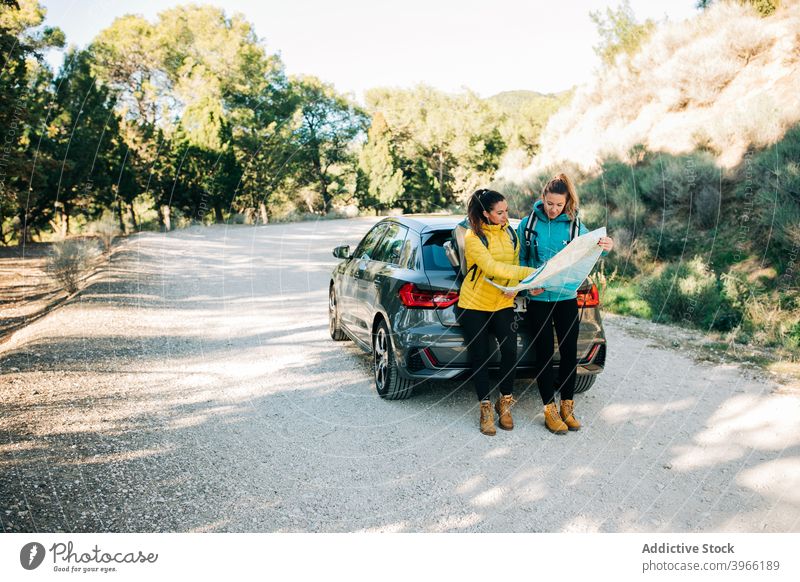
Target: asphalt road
{"points": [[192, 386]]}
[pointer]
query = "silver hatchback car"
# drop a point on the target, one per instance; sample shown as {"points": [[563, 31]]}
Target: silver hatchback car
{"points": [[396, 297]]}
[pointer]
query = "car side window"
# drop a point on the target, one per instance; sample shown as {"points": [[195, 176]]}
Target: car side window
{"points": [[366, 247], [434, 256], [390, 249], [408, 254]]}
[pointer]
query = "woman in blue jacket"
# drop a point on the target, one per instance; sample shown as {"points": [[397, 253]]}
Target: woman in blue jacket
{"points": [[556, 224]]}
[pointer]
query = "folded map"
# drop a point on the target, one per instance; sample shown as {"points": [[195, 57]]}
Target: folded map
{"points": [[568, 269]]}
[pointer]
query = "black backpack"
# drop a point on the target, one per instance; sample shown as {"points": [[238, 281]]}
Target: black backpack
{"points": [[530, 233], [455, 252]]}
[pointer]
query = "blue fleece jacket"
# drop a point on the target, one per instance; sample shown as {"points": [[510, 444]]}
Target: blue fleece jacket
{"points": [[553, 236]]}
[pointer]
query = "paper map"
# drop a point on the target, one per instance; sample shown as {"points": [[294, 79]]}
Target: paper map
{"points": [[568, 269]]}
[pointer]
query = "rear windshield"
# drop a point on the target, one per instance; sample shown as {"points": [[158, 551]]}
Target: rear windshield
{"points": [[433, 256]]}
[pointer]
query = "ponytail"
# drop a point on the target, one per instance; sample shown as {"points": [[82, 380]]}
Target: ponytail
{"points": [[483, 199]]}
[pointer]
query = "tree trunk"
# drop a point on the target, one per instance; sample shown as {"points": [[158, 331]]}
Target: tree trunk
{"points": [[218, 218], [24, 234], [120, 217], [262, 209], [132, 212], [441, 177], [64, 216], [323, 185], [164, 216], [327, 199], [249, 215]]}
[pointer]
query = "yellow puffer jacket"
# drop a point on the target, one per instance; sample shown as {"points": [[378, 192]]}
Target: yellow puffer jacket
{"points": [[499, 262]]}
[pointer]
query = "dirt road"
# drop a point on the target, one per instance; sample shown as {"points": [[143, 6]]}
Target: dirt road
{"points": [[193, 387]]}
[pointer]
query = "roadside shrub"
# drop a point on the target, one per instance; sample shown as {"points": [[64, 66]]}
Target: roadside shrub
{"points": [[682, 186], [69, 260], [624, 298], [629, 259], [792, 339], [106, 230], [613, 174], [673, 240], [766, 323], [769, 187], [689, 292]]}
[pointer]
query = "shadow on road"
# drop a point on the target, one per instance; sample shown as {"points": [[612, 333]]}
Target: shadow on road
{"points": [[195, 388]]}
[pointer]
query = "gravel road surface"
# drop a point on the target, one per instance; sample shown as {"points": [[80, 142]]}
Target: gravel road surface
{"points": [[192, 386]]}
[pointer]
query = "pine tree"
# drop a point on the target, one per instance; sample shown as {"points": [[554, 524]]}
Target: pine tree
{"points": [[378, 163]]}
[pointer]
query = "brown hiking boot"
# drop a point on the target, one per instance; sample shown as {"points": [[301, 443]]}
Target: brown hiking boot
{"points": [[487, 419], [503, 408], [553, 421], [567, 408]]}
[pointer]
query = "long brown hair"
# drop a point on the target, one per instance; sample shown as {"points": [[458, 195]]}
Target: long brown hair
{"points": [[561, 184], [483, 199]]}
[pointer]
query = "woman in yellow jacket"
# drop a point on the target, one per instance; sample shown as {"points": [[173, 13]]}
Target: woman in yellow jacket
{"points": [[491, 252]]}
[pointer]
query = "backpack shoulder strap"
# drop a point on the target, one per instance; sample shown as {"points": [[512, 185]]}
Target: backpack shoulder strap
{"points": [[512, 234], [575, 227], [530, 227]]}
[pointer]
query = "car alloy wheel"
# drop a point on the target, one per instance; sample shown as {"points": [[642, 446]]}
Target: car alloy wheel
{"points": [[333, 318], [388, 381], [381, 354]]}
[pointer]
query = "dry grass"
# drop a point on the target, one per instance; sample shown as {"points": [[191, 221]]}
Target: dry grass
{"points": [[723, 80]]}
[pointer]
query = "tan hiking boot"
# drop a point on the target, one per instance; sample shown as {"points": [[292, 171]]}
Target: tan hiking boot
{"points": [[487, 419], [552, 420], [503, 408], [567, 409]]}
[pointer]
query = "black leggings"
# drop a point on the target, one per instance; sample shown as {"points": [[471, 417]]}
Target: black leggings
{"points": [[477, 325], [541, 316]]}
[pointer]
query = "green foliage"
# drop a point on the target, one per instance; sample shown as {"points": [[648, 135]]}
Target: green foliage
{"points": [[768, 194], [625, 299], [619, 32], [749, 234], [187, 112], [327, 124], [23, 82], [667, 202], [689, 292], [524, 114], [380, 167], [83, 139], [445, 145]]}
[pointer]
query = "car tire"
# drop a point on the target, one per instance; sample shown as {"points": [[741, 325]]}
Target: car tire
{"points": [[334, 327], [584, 382], [388, 381]]}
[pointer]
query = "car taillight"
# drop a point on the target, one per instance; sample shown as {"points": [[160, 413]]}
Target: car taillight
{"points": [[589, 297], [412, 296]]}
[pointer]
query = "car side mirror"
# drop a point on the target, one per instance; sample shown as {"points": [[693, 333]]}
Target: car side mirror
{"points": [[342, 252]]}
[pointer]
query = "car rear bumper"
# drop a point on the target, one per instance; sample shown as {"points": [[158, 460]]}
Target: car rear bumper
{"points": [[425, 361]]}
